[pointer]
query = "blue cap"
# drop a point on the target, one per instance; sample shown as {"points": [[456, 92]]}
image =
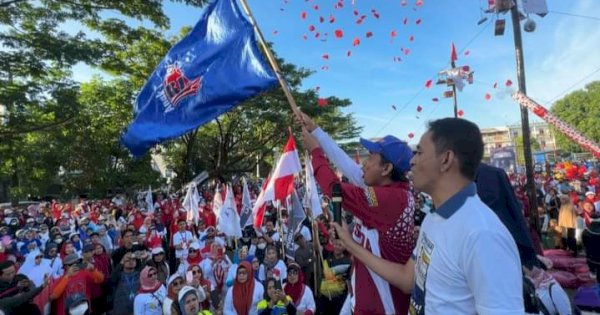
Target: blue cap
{"points": [[392, 149]]}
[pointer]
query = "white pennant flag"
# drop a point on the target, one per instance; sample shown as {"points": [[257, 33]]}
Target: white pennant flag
{"points": [[311, 198], [246, 212], [149, 201], [228, 220], [217, 201], [190, 203]]}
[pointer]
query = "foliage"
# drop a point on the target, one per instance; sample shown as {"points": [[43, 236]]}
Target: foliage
{"points": [[581, 110], [535, 147]]}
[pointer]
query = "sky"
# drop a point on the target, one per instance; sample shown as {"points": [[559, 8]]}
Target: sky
{"points": [[560, 56]]}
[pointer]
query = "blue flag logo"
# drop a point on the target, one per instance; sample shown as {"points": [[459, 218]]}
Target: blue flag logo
{"points": [[214, 68]]}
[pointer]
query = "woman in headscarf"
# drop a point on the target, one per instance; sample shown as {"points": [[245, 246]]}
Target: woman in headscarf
{"points": [[102, 264], [189, 303], [301, 294], [197, 280], [275, 301], [151, 294], [174, 285], [67, 249], [243, 297], [51, 254], [36, 267], [239, 256], [158, 261]]}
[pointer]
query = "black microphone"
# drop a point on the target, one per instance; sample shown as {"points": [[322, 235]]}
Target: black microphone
{"points": [[336, 200]]}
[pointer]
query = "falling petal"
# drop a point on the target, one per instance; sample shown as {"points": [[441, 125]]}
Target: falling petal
{"points": [[369, 34], [275, 32], [488, 96], [311, 28], [393, 33], [495, 84], [356, 13], [339, 33], [419, 108], [460, 113], [428, 83], [435, 99], [411, 135], [508, 83], [349, 53], [325, 68], [418, 21], [316, 7], [406, 51], [394, 107], [405, 21], [419, 3], [326, 56], [411, 38], [356, 42], [304, 37], [321, 19], [467, 53], [303, 15], [331, 19]]}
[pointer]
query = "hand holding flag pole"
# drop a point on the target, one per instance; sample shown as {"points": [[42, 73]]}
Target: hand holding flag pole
{"points": [[272, 60]]}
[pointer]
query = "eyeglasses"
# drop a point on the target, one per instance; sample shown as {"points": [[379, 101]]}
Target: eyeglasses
{"points": [[152, 274], [177, 283], [195, 272], [292, 272], [193, 250]]}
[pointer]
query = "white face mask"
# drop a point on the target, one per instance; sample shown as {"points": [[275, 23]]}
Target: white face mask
{"points": [[79, 309], [262, 245]]}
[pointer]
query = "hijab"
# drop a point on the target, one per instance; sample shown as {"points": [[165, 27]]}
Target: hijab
{"points": [[34, 272], [296, 290], [147, 284], [243, 292]]}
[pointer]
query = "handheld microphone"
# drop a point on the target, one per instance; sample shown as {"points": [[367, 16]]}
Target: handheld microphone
{"points": [[336, 200]]}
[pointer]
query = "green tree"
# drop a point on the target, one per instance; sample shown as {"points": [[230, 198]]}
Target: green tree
{"points": [[535, 147], [36, 85], [581, 110]]}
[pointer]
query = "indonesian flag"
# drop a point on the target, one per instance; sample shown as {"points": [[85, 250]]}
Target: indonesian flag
{"points": [[281, 182], [453, 55]]}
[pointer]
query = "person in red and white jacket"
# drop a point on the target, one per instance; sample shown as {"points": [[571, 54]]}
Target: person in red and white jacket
{"points": [[380, 198]]}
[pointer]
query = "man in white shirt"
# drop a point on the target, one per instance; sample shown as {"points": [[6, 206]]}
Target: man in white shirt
{"points": [[465, 261], [182, 240]]}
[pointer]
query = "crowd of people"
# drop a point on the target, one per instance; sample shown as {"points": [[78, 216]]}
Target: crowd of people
{"points": [[426, 232]]}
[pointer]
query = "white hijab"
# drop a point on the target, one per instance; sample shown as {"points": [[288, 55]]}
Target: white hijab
{"points": [[34, 272]]}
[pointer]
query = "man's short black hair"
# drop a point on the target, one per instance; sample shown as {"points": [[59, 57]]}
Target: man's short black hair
{"points": [[397, 176], [461, 137], [5, 265]]}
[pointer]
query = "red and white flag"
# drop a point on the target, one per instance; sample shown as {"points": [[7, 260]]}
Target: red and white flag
{"points": [[453, 55], [281, 182]]}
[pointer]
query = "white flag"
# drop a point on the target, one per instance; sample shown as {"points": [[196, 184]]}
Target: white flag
{"points": [[228, 220], [149, 202], [311, 198], [217, 201], [246, 213], [190, 203]]}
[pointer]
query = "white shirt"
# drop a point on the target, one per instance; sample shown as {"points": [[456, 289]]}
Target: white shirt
{"points": [[306, 233], [182, 238], [257, 296], [150, 303], [279, 268], [466, 261]]}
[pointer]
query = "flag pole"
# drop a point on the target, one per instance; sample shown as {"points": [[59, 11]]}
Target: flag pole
{"points": [[271, 58]]}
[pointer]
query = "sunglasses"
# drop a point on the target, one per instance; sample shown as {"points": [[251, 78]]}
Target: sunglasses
{"points": [[193, 250], [195, 272], [177, 283], [152, 274]]}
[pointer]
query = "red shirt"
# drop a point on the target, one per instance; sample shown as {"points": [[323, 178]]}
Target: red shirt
{"points": [[387, 209]]}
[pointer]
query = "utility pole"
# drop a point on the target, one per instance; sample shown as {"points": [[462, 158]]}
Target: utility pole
{"points": [[530, 188], [454, 93]]}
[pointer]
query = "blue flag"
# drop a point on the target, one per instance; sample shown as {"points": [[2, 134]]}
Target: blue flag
{"points": [[214, 68]]}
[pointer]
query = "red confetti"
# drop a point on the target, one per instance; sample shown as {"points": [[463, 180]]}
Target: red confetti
{"points": [[404, 3], [356, 13], [316, 7], [326, 56], [394, 107], [467, 53], [419, 3], [321, 19], [356, 42], [428, 83], [361, 19], [322, 102], [406, 51], [488, 96], [418, 21], [369, 34], [317, 34], [349, 53], [508, 83], [339, 33], [304, 37], [375, 13], [331, 19], [393, 33], [495, 84], [419, 108], [411, 135], [460, 113], [405, 21], [303, 15], [435, 99], [411, 38], [324, 68], [311, 28], [275, 32]]}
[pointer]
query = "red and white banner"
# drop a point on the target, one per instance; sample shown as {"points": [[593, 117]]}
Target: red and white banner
{"points": [[281, 182], [565, 128]]}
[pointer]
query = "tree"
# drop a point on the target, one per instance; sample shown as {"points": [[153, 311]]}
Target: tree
{"points": [[36, 84], [581, 110], [535, 147], [248, 135]]}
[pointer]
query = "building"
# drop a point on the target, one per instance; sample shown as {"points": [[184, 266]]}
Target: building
{"points": [[493, 138], [540, 132]]}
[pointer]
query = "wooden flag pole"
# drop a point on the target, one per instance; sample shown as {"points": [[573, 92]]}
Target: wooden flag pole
{"points": [[272, 60]]}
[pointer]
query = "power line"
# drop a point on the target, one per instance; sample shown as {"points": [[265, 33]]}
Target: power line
{"points": [[423, 88], [577, 15], [572, 86]]}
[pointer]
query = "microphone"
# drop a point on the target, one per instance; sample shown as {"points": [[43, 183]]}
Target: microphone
{"points": [[336, 200]]}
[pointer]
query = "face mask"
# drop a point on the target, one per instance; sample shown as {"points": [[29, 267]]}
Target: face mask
{"points": [[79, 310], [58, 240], [245, 239], [262, 245]]}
